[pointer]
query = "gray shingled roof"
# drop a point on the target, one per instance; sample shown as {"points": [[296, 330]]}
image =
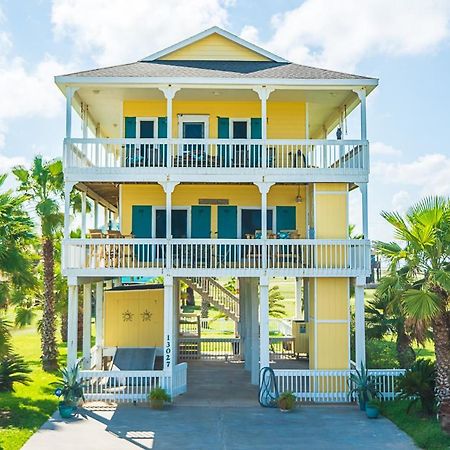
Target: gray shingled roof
{"points": [[217, 69]]}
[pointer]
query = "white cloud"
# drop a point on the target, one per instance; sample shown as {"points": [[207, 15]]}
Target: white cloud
{"points": [[116, 31], [381, 149], [401, 201], [339, 34], [429, 172]]}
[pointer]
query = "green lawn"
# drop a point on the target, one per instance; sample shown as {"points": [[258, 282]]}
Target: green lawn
{"points": [[23, 412], [425, 431]]}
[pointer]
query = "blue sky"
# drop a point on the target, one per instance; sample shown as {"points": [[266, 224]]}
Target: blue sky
{"points": [[404, 43]]}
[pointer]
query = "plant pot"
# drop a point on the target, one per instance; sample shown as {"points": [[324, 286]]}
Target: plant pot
{"points": [[285, 406], [157, 403], [66, 411], [372, 412]]}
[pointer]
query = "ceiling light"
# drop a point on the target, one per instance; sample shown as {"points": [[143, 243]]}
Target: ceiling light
{"points": [[96, 91]]}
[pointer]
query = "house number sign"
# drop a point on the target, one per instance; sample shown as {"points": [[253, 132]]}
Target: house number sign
{"points": [[168, 351]]}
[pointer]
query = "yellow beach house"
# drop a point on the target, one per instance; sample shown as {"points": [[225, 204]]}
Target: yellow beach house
{"points": [[207, 160]]}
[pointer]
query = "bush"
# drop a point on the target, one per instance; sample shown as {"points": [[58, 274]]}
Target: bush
{"points": [[381, 354], [418, 384], [13, 369]]}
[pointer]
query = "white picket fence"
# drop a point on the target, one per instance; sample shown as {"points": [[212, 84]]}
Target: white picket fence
{"points": [[125, 386], [332, 386]]}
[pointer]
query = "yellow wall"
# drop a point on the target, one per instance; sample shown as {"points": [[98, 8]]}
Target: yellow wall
{"points": [[137, 332], [329, 336], [215, 47], [286, 120], [189, 195]]}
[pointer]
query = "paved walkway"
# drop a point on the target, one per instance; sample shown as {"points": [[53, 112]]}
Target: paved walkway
{"points": [[219, 428]]}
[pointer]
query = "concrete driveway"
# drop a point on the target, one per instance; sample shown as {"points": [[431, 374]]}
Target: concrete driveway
{"points": [[214, 427]]}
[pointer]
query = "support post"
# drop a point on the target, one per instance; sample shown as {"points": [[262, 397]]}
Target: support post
{"points": [[169, 92], [67, 191], [87, 308], [254, 347], [83, 215], [244, 314], [99, 324], [96, 214], [168, 325], [306, 299], [362, 98], [169, 187], [264, 345], [72, 325], [264, 93], [298, 298], [360, 334], [70, 91], [264, 189]]}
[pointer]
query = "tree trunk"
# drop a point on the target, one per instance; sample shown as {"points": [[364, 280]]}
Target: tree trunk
{"points": [[441, 338], [48, 327], [64, 325], [405, 353], [205, 309]]}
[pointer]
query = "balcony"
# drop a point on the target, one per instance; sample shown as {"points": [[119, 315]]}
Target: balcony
{"points": [[216, 257], [191, 160]]}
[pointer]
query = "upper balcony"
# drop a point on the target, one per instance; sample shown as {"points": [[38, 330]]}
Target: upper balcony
{"points": [[191, 160]]}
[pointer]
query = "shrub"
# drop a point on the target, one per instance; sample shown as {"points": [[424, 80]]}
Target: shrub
{"points": [[13, 369], [286, 401], [418, 384]]}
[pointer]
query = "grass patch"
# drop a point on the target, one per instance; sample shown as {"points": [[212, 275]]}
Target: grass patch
{"points": [[23, 412], [425, 431]]}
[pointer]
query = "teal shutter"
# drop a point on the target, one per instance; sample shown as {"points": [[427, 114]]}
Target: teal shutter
{"points": [[255, 133], [201, 222], [130, 127], [162, 133], [286, 218], [141, 227], [223, 132], [130, 133]]}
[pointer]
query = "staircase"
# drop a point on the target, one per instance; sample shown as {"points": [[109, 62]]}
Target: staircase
{"points": [[214, 293]]}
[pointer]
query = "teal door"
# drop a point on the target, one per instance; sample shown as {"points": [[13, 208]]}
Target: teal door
{"points": [[130, 133], [286, 218], [141, 227], [201, 221], [227, 229], [255, 150]]}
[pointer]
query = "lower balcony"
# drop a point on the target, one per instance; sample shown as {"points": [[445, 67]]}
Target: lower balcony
{"points": [[217, 257]]}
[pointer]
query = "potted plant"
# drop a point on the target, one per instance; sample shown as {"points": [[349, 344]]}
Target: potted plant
{"points": [[363, 386], [70, 389], [158, 396], [286, 401], [372, 409]]}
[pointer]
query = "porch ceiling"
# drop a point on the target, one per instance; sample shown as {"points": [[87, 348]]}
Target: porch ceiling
{"points": [[105, 103]]}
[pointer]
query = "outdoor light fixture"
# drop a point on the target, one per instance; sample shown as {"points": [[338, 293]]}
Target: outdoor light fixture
{"points": [[299, 198]]}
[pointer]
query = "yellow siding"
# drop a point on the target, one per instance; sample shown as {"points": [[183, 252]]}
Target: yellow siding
{"points": [[136, 332], [189, 195], [329, 317], [215, 47], [331, 211], [285, 120]]}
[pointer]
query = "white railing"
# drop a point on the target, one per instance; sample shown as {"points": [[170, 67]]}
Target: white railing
{"points": [[124, 386], [190, 348], [332, 385], [218, 295], [283, 326], [347, 155], [346, 257], [281, 347]]}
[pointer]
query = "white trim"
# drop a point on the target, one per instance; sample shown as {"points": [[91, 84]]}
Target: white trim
{"points": [[209, 32], [204, 118], [238, 119], [147, 119], [332, 321], [332, 192], [316, 352], [163, 208]]}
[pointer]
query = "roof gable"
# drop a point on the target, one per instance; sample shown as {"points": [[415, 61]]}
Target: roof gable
{"points": [[214, 44]]}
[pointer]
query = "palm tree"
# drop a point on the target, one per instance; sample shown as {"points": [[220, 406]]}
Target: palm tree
{"points": [[425, 258], [43, 183], [276, 305]]}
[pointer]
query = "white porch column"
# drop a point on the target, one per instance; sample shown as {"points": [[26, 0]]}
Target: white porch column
{"points": [[264, 93], [264, 353], [306, 299], [362, 98], [169, 187], [169, 92], [254, 297], [245, 318], [364, 209], [67, 220], [264, 189], [360, 333], [298, 298], [99, 324], [70, 91], [72, 325], [83, 214], [105, 217], [96, 214], [87, 313], [168, 325]]}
